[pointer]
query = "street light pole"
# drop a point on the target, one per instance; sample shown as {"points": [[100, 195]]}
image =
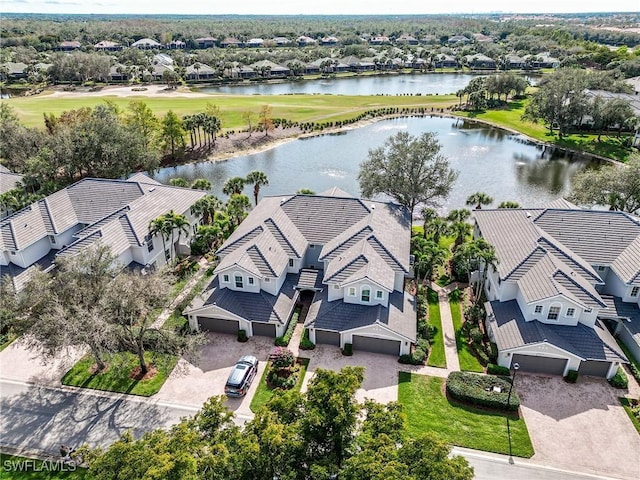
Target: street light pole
{"points": [[516, 367]]}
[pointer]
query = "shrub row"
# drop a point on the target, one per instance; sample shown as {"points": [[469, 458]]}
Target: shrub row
{"points": [[284, 340], [572, 376], [305, 343], [635, 372], [493, 369], [419, 355], [619, 380], [479, 390]]}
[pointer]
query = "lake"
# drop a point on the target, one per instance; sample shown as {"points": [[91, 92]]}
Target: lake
{"points": [[404, 84], [504, 165]]}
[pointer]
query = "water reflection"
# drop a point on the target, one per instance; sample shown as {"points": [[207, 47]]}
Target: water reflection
{"points": [[504, 165]]}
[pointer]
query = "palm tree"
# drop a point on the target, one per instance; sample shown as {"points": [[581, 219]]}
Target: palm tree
{"points": [[437, 228], [206, 207], [477, 254], [233, 186], [428, 259], [160, 226], [237, 207], [458, 215], [478, 199], [201, 184], [509, 204], [177, 222], [258, 179], [460, 230], [428, 215]]}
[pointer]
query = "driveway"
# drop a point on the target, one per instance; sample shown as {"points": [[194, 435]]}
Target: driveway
{"points": [[191, 384], [579, 427]]}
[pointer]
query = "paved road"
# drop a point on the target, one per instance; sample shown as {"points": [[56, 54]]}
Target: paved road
{"points": [[40, 419]]}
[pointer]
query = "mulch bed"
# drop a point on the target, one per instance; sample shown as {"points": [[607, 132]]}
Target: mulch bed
{"points": [[136, 373]]}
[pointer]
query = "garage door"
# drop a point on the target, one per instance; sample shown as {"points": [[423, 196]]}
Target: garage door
{"points": [[594, 368], [533, 364], [330, 338], [377, 345], [218, 325], [264, 329]]}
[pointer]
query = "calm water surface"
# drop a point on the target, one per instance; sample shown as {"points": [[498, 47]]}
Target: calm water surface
{"points": [[505, 166]]}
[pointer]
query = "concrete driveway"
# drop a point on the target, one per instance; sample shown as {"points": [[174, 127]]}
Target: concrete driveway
{"points": [[191, 384], [579, 427]]}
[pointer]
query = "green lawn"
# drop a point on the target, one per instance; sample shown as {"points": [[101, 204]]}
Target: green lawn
{"points": [[264, 393], [117, 379], [468, 362], [510, 117], [428, 409], [627, 408], [10, 340], [436, 354], [300, 108], [22, 468]]}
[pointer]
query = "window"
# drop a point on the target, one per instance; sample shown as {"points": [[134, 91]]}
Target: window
{"points": [[238, 279], [538, 309], [291, 262], [571, 312], [352, 291], [379, 294], [149, 240], [250, 280], [225, 278], [366, 295], [587, 310], [312, 246], [635, 291], [553, 313]]}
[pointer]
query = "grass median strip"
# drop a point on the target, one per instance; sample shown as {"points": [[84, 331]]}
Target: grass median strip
{"points": [[436, 355], [118, 378], [468, 361], [428, 410], [264, 392]]}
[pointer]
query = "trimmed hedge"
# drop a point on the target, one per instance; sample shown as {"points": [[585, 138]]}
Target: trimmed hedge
{"points": [[305, 343], [347, 350], [619, 380], [478, 390], [242, 336], [284, 340], [493, 369], [572, 376]]}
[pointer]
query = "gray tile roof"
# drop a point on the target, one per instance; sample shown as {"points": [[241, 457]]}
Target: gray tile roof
{"points": [[512, 331], [599, 237], [256, 307], [309, 279], [627, 265], [399, 317], [8, 180], [360, 262], [616, 308]]}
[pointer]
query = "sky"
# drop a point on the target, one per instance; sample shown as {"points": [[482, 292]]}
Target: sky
{"points": [[328, 7]]}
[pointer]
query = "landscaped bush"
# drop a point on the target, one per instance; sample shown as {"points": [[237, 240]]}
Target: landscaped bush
{"points": [[347, 350], [619, 380], [493, 369], [476, 335], [186, 267], [305, 343], [419, 355], [479, 390], [474, 314], [572, 376], [284, 340], [493, 352], [282, 357], [242, 336], [635, 372]]}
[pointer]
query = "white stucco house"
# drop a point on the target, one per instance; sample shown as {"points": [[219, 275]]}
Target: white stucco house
{"points": [[113, 212], [344, 258], [566, 279]]}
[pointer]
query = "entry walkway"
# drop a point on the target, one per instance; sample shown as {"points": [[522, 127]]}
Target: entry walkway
{"points": [[448, 331]]}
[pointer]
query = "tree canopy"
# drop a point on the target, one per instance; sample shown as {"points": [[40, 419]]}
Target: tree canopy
{"points": [[409, 169]]}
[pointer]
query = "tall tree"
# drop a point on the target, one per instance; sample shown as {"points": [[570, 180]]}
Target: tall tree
{"points": [[206, 207], [615, 186], [409, 169], [258, 179], [265, 122], [237, 207], [234, 186], [479, 199], [201, 184], [173, 133]]}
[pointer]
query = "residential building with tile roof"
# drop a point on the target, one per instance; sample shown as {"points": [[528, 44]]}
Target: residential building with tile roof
{"points": [[344, 258], [113, 212], [565, 281]]}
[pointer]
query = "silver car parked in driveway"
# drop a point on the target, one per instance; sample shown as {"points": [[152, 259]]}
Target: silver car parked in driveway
{"points": [[241, 376]]}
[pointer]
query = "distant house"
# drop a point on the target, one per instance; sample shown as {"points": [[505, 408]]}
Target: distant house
{"points": [[231, 42], [513, 61], [329, 41], [564, 280], [108, 46], [14, 70], [444, 61], [158, 69], [379, 40], [115, 213], [69, 46], [146, 44], [254, 43], [206, 42], [405, 39], [458, 40], [542, 60], [118, 73], [269, 69], [281, 41], [237, 71], [356, 64], [162, 59], [199, 72], [482, 38], [480, 61], [344, 258], [304, 41], [176, 45], [8, 179]]}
